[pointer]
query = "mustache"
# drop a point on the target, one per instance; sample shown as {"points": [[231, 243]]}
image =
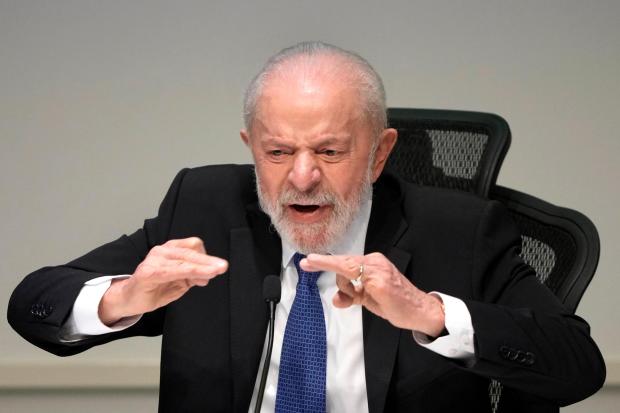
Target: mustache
{"points": [[318, 197]]}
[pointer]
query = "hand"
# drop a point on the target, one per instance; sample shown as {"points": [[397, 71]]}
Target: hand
{"points": [[167, 272], [384, 291]]}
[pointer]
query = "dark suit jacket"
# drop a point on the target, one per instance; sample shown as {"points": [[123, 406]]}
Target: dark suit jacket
{"points": [[441, 240]]}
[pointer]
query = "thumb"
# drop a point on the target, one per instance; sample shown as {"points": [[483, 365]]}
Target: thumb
{"points": [[342, 300]]}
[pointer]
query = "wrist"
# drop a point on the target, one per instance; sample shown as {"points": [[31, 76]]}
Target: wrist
{"points": [[436, 316], [111, 305]]}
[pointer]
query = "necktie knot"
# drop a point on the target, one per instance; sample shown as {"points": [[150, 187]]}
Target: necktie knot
{"points": [[305, 277]]}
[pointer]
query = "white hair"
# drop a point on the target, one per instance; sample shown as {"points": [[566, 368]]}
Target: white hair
{"points": [[360, 74]]}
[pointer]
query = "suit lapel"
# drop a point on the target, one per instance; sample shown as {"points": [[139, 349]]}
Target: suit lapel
{"points": [[255, 251], [385, 228]]}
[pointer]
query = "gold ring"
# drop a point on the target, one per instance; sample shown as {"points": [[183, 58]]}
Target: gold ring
{"points": [[361, 274]]}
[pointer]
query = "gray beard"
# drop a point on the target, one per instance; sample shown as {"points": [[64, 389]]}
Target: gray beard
{"points": [[319, 237]]}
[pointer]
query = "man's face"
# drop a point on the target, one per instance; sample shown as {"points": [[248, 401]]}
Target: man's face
{"points": [[312, 149]]}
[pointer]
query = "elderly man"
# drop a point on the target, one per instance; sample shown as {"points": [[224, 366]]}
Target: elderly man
{"points": [[394, 297]]}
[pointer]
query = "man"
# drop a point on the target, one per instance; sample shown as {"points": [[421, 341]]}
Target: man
{"points": [[409, 299]]}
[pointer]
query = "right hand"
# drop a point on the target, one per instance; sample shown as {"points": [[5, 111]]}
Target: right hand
{"points": [[167, 272]]}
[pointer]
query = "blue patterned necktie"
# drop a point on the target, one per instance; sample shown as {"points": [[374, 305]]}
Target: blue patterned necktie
{"points": [[301, 381]]}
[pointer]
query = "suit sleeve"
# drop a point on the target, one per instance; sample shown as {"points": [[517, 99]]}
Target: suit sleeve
{"points": [[42, 302], [524, 337]]}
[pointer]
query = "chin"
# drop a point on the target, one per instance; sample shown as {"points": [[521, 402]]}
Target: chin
{"points": [[308, 238]]}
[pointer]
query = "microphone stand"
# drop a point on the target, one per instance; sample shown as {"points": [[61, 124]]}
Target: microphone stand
{"points": [[272, 298], [263, 378]]}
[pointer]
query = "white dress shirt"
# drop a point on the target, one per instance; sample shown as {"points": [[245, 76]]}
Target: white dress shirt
{"points": [[346, 379]]}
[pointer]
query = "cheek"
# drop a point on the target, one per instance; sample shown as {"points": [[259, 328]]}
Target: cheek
{"points": [[347, 178], [270, 178], [339, 184]]}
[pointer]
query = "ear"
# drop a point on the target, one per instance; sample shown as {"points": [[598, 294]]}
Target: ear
{"points": [[245, 137], [387, 140]]}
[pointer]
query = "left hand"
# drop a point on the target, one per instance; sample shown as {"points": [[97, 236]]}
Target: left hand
{"points": [[384, 291]]}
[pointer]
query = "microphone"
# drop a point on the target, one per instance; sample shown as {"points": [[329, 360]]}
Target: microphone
{"points": [[271, 293]]}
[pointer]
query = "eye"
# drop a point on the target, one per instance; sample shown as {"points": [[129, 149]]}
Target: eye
{"points": [[278, 155], [330, 152]]}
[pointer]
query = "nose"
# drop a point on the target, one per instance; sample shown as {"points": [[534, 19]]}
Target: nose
{"points": [[305, 174]]}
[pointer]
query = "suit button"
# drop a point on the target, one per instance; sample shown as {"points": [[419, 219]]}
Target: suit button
{"points": [[504, 351], [41, 311], [530, 358]]}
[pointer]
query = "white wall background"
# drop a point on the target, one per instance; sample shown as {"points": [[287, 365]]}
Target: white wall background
{"points": [[101, 103]]}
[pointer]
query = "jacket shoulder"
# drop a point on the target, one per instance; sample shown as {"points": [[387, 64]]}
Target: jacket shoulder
{"points": [[213, 183], [215, 195]]}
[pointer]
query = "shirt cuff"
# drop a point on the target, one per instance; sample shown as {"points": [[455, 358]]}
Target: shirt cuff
{"points": [[459, 342], [84, 318]]}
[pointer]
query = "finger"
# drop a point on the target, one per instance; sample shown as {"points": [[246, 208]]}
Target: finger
{"points": [[189, 255], [346, 265], [344, 285], [198, 282], [194, 271], [341, 300], [193, 243], [183, 270]]}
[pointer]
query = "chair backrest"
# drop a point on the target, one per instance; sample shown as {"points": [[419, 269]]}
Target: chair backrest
{"points": [[448, 148], [561, 244]]}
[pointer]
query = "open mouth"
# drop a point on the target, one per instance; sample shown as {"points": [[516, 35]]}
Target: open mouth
{"points": [[305, 208], [308, 214]]}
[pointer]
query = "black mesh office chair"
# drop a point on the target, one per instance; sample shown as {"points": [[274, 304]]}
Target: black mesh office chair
{"points": [[448, 148], [562, 245], [464, 150]]}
